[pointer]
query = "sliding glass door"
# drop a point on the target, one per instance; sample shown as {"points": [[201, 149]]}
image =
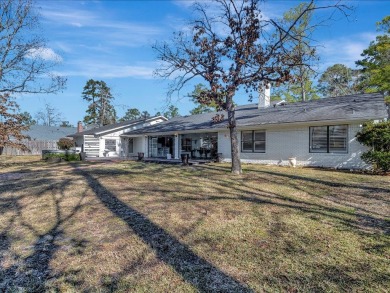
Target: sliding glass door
{"points": [[161, 146]]}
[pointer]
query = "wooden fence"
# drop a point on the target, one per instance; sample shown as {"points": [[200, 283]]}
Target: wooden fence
{"points": [[35, 148]]}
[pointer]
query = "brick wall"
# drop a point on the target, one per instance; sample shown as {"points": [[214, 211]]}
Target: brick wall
{"points": [[293, 141]]}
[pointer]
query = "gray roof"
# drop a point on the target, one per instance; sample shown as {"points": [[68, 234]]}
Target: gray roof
{"points": [[113, 127], [42, 132], [358, 107]]}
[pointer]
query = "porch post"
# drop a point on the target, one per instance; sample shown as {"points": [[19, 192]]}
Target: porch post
{"points": [[146, 145], [176, 146], [124, 147]]}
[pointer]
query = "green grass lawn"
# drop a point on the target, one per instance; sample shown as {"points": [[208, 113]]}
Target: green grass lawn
{"points": [[135, 227]]}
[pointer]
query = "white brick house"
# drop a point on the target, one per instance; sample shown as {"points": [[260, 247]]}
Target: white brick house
{"points": [[316, 133], [106, 141]]}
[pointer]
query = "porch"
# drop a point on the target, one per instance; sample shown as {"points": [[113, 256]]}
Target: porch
{"points": [[168, 149], [176, 161]]}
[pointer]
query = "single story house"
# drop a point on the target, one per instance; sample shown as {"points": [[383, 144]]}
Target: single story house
{"points": [[106, 141], [43, 132], [315, 133], [40, 137]]}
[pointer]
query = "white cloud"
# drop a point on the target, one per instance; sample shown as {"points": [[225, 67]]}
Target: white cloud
{"points": [[45, 54], [62, 46], [274, 10], [344, 50], [94, 69], [64, 15], [185, 4], [89, 24], [83, 18]]}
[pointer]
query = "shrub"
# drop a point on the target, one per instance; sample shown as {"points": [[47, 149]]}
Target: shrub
{"points": [[65, 143], [63, 156], [377, 137], [380, 160], [72, 157]]}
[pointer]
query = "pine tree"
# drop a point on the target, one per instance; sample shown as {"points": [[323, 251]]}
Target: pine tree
{"points": [[376, 62], [100, 110]]}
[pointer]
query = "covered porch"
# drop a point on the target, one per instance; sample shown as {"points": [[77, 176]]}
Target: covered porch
{"points": [[200, 146], [175, 161]]}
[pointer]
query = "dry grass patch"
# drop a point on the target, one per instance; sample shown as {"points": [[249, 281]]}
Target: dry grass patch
{"points": [[153, 228]]}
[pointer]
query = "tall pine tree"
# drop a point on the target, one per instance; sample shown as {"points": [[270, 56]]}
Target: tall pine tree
{"points": [[376, 62], [300, 87], [100, 109]]}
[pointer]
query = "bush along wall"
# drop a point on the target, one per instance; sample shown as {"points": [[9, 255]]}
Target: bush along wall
{"points": [[62, 155], [377, 137]]}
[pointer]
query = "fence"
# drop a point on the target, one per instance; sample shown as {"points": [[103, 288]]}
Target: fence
{"points": [[35, 148]]}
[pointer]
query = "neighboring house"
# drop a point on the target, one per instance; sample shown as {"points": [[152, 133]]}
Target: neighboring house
{"points": [[42, 132], [315, 133], [105, 141], [40, 137]]}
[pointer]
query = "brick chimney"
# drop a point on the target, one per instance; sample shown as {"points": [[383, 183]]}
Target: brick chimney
{"points": [[79, 126], [264, 96]]}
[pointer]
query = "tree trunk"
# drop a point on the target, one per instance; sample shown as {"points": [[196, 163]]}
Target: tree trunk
{"points": [[303, 92], [103, 109], [236, 162]]}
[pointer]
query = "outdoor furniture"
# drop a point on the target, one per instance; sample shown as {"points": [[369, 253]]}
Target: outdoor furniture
{"points": [[207, 151], [184, 159], [193, 154]]}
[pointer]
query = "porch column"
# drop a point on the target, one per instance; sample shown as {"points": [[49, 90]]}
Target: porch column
{"points": [[124, 147], [176, 146], [146, 146]]}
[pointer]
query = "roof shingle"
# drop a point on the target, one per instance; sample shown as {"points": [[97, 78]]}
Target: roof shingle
{"points": [[347, 108], [114, 127], [43, 132]]}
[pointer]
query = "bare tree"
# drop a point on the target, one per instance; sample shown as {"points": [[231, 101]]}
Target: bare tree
{"points": [[26, 64], [236, 48], [25, 61], [48, 116]]}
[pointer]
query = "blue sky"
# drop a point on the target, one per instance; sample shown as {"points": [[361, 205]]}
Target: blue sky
{"points": [[111, 41]]}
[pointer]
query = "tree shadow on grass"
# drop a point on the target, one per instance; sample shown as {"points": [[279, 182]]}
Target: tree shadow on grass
{"points": [[363, 220], [31, 273], [347, 214], [303, 178], [194, 269]]}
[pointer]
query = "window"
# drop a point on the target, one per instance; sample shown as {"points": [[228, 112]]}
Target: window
{"points": [[131, 146], [110, 145], [186, 144], [329, 139], [253, 141]]}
